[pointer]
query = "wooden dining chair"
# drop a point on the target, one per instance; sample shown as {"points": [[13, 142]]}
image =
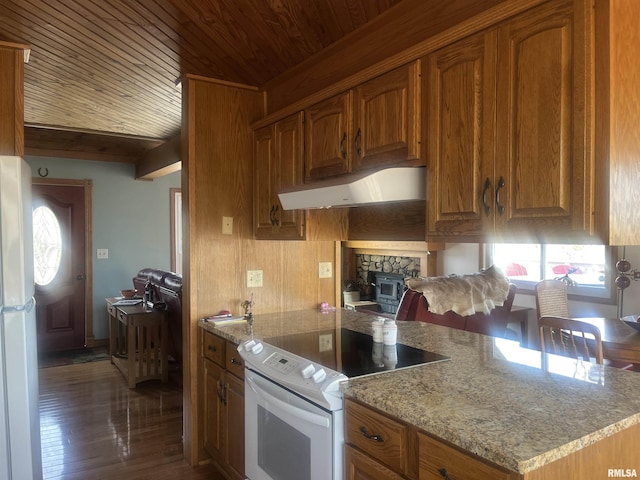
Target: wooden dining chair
{"points": [[567, 337], [551, 299]]}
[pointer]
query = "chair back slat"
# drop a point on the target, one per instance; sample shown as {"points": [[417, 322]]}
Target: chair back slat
{"points": [[568, 337]]}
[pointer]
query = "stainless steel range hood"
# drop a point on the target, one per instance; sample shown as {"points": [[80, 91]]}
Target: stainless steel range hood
{"points": [[398, 184]]}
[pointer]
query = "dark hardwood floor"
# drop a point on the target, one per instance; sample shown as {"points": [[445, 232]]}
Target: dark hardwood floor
{"points": [[94, 427]]}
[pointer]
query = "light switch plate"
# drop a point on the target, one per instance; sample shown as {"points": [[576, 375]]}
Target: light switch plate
{"points": [[102, 253], [325, 342], [227, 225], [254, 278], [325, 270]]}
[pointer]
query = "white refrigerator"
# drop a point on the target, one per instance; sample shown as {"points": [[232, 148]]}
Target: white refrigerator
{"points": [[20, 454]]}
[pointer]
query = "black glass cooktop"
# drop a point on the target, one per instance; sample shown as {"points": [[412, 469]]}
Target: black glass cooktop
{"points": [[352, 353]]}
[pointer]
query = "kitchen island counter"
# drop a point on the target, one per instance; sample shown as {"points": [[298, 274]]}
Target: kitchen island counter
{"points": [[492, 398]]}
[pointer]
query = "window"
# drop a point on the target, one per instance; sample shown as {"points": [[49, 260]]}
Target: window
{"points": [[176, 230], [587, 269], [47, 245]]}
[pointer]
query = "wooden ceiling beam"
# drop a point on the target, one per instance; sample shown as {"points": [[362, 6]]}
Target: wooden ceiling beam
{"points": [[160, 161], [52, 141]]}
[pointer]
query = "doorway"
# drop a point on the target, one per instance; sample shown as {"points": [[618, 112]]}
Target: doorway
{"points": [[62, 265]]}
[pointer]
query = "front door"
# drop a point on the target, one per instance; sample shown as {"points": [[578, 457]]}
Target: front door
{"points": [[59, 263]]}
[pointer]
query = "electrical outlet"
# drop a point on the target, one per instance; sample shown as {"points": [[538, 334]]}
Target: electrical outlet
{"points": [[325, 342], [227, 225], [102, 253], [325, 270], [254, 278]]}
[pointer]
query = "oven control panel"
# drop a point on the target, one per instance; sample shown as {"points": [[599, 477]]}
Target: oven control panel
{"points": [[296, 373]]}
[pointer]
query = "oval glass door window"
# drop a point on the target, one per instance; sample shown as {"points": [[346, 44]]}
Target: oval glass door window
{"points": [[47, 245]]}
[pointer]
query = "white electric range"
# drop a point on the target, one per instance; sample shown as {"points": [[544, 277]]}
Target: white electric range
{"points": [[294, 417]]}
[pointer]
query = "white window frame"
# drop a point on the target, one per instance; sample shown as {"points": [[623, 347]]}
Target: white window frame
{"points": [[607, 294]]}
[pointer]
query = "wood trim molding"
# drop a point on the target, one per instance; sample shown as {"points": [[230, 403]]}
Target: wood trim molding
{"points": [[190, 76], [281, 102]]}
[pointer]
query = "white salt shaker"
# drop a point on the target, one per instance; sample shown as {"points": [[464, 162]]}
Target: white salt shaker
{"points": [[389, 332], [377, 326]]}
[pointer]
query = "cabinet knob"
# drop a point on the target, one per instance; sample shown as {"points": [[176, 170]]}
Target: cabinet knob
{"points": [[235, 361], [443, 473], [211, 348]]}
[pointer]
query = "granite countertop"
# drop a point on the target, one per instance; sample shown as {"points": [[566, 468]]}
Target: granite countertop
{"points": [[492, 398]]}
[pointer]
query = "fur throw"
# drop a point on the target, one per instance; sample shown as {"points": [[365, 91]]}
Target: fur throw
{"points": [[463, 294]]}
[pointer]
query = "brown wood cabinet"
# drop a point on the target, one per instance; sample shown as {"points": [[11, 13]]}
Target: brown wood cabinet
{"points": [[389, 449], [437, 460], [279, 154], [373, 125], [362, 467], [376, 446], [223, 404], [328, 138], [506, 116]]}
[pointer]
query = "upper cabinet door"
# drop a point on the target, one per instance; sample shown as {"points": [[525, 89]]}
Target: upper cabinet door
{"points": [[264, 151], [387, 119], [289, 161], [278, 164], [328, 138], [542, 148], [459, 113]]}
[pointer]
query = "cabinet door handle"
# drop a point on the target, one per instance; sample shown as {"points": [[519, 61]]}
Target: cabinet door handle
{"points": [[343, 148], [220, 392], [356, 143], [211, 348], [487, 187], [370, 436], [500, 207], [273, 215], [443, 473]]}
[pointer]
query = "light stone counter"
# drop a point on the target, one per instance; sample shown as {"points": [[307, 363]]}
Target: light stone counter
{"points": [[492, 398]]}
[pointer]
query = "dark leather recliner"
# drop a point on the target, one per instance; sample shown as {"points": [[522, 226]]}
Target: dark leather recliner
{"points": [[167, 288]]}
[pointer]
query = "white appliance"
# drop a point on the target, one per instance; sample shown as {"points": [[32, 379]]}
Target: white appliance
{"points": [[293, 416], [20, 454], [397, 184]]}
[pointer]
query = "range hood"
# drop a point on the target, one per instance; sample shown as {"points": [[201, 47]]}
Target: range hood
{"points": [[399, 184]]}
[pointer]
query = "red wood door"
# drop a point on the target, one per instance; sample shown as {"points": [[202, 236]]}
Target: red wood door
{"points": [[59, 261]]}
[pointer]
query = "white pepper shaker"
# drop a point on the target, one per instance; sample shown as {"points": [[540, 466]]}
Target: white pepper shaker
{"points": [[389, 332]]}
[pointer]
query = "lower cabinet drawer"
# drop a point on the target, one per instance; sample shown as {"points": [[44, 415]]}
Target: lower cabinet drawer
{"points": [[213, 348], [438, 461], [377, 435], [362, 467], [233, 362]]}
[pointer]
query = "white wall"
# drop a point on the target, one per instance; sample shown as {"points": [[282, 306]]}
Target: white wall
{"points": [[130, 217]]}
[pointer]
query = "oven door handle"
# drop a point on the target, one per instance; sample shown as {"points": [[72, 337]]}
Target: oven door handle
{"points": [[308, 417]]}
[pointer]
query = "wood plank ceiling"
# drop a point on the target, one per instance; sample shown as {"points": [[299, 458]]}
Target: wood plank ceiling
{"points": [[101, 80]]}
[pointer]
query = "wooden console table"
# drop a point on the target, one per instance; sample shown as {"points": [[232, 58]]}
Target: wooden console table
{"points": [[138, 342]]}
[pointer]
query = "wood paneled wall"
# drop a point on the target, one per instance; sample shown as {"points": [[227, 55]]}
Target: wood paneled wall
{"points": [[12, 58], [217, 181]]}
